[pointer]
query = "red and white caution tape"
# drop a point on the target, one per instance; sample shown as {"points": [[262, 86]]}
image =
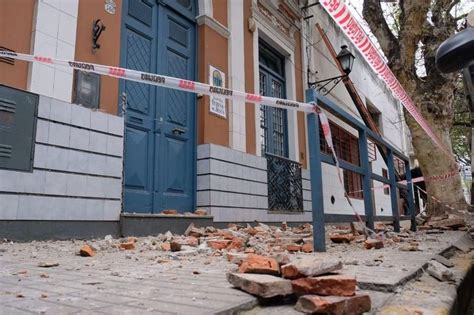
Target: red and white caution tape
{"points": [[341, 14], [164, 81], [328, 137]]}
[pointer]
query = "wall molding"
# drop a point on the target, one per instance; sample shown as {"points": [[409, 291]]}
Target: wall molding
{"points": [[213, 24]]}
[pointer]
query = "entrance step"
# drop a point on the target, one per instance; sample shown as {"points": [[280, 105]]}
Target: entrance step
{"points": [[134, 224]]}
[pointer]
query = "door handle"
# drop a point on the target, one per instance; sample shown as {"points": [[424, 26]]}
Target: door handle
{"points": [[178, 131]]}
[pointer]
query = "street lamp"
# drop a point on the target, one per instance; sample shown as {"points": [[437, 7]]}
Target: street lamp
{"points": [[346, 60]]}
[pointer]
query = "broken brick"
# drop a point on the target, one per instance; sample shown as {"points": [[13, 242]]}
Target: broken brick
{"points": [[309, 267], [170, 212], [307, 247], [282, 259], [293, 247], [190, 241], [127, 245], [175, 246], [260, 264], [86, 251], [236, 258], [341, 238], [236, 243], [339, 285], [265, 286], [200, 212], [334, 305], [373, 243], [165, 246], [132, 239], [250, 230], [218, 244]]}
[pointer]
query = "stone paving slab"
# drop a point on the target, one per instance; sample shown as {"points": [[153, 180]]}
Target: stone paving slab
{"points": [[155, 282]]}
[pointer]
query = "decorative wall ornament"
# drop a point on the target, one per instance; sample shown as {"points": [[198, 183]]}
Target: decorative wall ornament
{"points": [[110, 6]]}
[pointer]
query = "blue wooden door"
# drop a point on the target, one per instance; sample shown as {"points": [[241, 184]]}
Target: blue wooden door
{"points": [[160, 123]]}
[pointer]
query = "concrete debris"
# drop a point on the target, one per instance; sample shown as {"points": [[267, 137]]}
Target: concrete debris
{"points": [[410, 247], [440, 272], [48, 264], [309, 267], [334, 305], [339, 285], [262, 285], [448, 263], [452, 222]]}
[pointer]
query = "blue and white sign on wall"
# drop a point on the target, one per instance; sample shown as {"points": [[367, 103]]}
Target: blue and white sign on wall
{"points": [[217, 103]]}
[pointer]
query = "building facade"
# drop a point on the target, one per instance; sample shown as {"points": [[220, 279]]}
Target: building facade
{"points": [[101, 147]]}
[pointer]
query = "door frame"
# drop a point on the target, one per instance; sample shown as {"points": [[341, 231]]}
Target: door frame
{"points": [[121, 87]]}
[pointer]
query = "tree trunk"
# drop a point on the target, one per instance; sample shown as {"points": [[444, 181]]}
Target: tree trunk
{"points": [[432, 94], [434, 162]]}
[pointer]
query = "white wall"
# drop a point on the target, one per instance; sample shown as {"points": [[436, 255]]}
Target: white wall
{"points": [[370, 87], [236, 76], [54, 35]]}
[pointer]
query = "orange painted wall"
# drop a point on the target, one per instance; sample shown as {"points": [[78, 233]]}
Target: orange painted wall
{"points": [[301, 119], [251, 146], [16, 24], [109, 52], [211, 128], [219, 11]]}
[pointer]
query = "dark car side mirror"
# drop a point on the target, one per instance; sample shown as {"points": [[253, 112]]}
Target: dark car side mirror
{"points": [[456, 52]]}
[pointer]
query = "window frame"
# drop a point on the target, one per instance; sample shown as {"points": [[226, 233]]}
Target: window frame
{"points": [[267, 124], [346, 147]]}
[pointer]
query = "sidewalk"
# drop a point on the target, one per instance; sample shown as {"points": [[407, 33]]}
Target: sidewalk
{"points": [[148, 280]]}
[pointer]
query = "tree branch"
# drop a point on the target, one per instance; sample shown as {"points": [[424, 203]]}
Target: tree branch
{"points": [[412, 19], [373, 14]]}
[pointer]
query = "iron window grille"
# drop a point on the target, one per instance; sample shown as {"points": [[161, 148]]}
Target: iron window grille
{"points": [[285, 188]]}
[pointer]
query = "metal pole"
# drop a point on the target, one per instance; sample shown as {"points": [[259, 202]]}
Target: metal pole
{"points": [[319, 233], [411, 205], [366, 179], [393, 190]]}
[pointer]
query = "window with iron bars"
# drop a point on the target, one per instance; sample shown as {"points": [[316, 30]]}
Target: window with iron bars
{"points": [[346, 147]]}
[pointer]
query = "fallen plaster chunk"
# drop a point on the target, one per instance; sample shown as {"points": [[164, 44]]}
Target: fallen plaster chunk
{"points": [[265, 286]]}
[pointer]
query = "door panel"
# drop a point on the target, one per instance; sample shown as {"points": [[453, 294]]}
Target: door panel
{"points": [[178, 111], [160, 145]]}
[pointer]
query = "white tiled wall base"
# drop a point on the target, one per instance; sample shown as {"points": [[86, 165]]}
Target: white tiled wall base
{"points": [[232, 185], [77, 169]]}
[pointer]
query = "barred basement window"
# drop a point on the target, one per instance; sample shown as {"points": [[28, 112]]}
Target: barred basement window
{"points": [[86, 89], [346, 147]]}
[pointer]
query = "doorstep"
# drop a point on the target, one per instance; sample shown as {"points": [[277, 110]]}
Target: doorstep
{"points": [[139, 224]]}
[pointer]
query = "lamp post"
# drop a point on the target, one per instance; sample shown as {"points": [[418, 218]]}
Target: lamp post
{"points": [[346, 60]]}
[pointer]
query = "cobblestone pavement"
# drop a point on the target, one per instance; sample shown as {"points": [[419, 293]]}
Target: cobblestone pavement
{"points": [[147, 280]]}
